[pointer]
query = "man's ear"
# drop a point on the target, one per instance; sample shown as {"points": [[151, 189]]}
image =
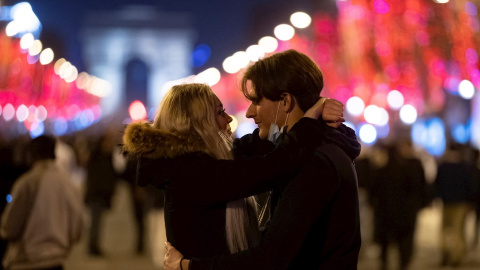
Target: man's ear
{"points": [[287, 102]]}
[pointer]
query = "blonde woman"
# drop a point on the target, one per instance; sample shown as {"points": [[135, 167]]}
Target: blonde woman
{"points": [[188, 152]]}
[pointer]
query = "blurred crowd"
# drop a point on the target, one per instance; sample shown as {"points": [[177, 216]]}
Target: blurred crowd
{"points": [[396, 181], [95, 165]]}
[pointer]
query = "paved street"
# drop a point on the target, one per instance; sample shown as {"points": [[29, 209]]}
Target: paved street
{"points": [[119, 243]]}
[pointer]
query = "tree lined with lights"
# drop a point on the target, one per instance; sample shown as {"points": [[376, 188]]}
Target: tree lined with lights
{"points": [[392, 61]]}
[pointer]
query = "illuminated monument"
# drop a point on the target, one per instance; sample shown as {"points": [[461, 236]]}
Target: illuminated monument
{"points": [[137, 49]]}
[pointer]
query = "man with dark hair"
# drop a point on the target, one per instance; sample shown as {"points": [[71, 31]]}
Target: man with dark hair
{"points": [[44, 218], [315, 219]]}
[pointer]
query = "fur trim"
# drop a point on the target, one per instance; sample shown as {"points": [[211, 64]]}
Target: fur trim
{"points": [[141, 139]]}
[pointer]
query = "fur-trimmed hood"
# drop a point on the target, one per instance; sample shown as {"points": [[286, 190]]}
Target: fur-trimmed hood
{"points": [[142, 140]]}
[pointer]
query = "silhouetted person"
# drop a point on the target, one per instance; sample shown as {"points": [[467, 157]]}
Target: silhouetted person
{"points": [[44, 218], [456, 185], [476, 164], [398, 192], [10, 171], [101, 182]]}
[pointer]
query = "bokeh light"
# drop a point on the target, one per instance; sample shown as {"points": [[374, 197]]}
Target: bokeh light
{"points": [[245, 128], [300, 19], [11, 29], [37, 129], [372, 114], [27, 41], [210, 76], [268, 44], [22, 113], [35, 48], [284, 32], [460, 133], [466, 89], [41, 113], [355, 106], [8, 112], [395, 99], [137, 111], [408, 114], [60, 127], [46, 57], [367, 133], [200, 55], [229, 65], [255, 52]]}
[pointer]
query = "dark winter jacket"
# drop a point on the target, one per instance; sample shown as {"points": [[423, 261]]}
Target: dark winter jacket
{"points": [[198, 186], [316, 221]]}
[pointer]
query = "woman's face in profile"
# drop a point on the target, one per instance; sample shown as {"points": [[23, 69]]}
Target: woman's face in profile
{"points": [[222, 118]]}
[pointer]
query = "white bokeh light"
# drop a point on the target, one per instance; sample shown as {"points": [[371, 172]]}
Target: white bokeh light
{"points": [[395, 99], [355, 106], [383, 117], [268, 44], [255, 52], [8, 112], [466, 89], [11, 29], [408, 114], [58, 64], [210, 76], [300, 19], [71, 74], [284, 32], [229, 65], [36, 48], [46, 57], [241, 59], [26, 41], [372, 114], [22, 113], [25, 18], [367, 133]]}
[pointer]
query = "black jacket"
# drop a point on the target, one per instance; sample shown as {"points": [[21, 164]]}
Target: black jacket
{"points": [[198, 186], [316, 221]]}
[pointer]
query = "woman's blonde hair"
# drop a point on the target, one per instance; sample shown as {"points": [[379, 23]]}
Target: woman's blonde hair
{"points": [[190, 108]]}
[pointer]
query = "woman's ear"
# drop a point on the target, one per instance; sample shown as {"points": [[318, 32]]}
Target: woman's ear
{"points": [[287, 101]]}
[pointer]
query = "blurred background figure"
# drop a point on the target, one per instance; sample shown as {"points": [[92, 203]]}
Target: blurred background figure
{"points": [[100, 187], [397, 193], [457, 187], [10, 169], [476, 164], [365, 168], [144, 200], [44, 216]]}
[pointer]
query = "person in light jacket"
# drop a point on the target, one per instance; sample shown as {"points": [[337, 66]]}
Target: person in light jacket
{"points": [[44, 218]]}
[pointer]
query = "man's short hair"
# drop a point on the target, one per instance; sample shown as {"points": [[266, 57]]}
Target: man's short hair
{"points": [[42, 147], [289, 71]]}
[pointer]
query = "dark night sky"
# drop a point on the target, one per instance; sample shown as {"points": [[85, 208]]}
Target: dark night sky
{"points": [[226, 26]]}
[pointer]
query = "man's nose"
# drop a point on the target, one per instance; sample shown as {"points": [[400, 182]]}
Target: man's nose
{"points": [[251, 111]]}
